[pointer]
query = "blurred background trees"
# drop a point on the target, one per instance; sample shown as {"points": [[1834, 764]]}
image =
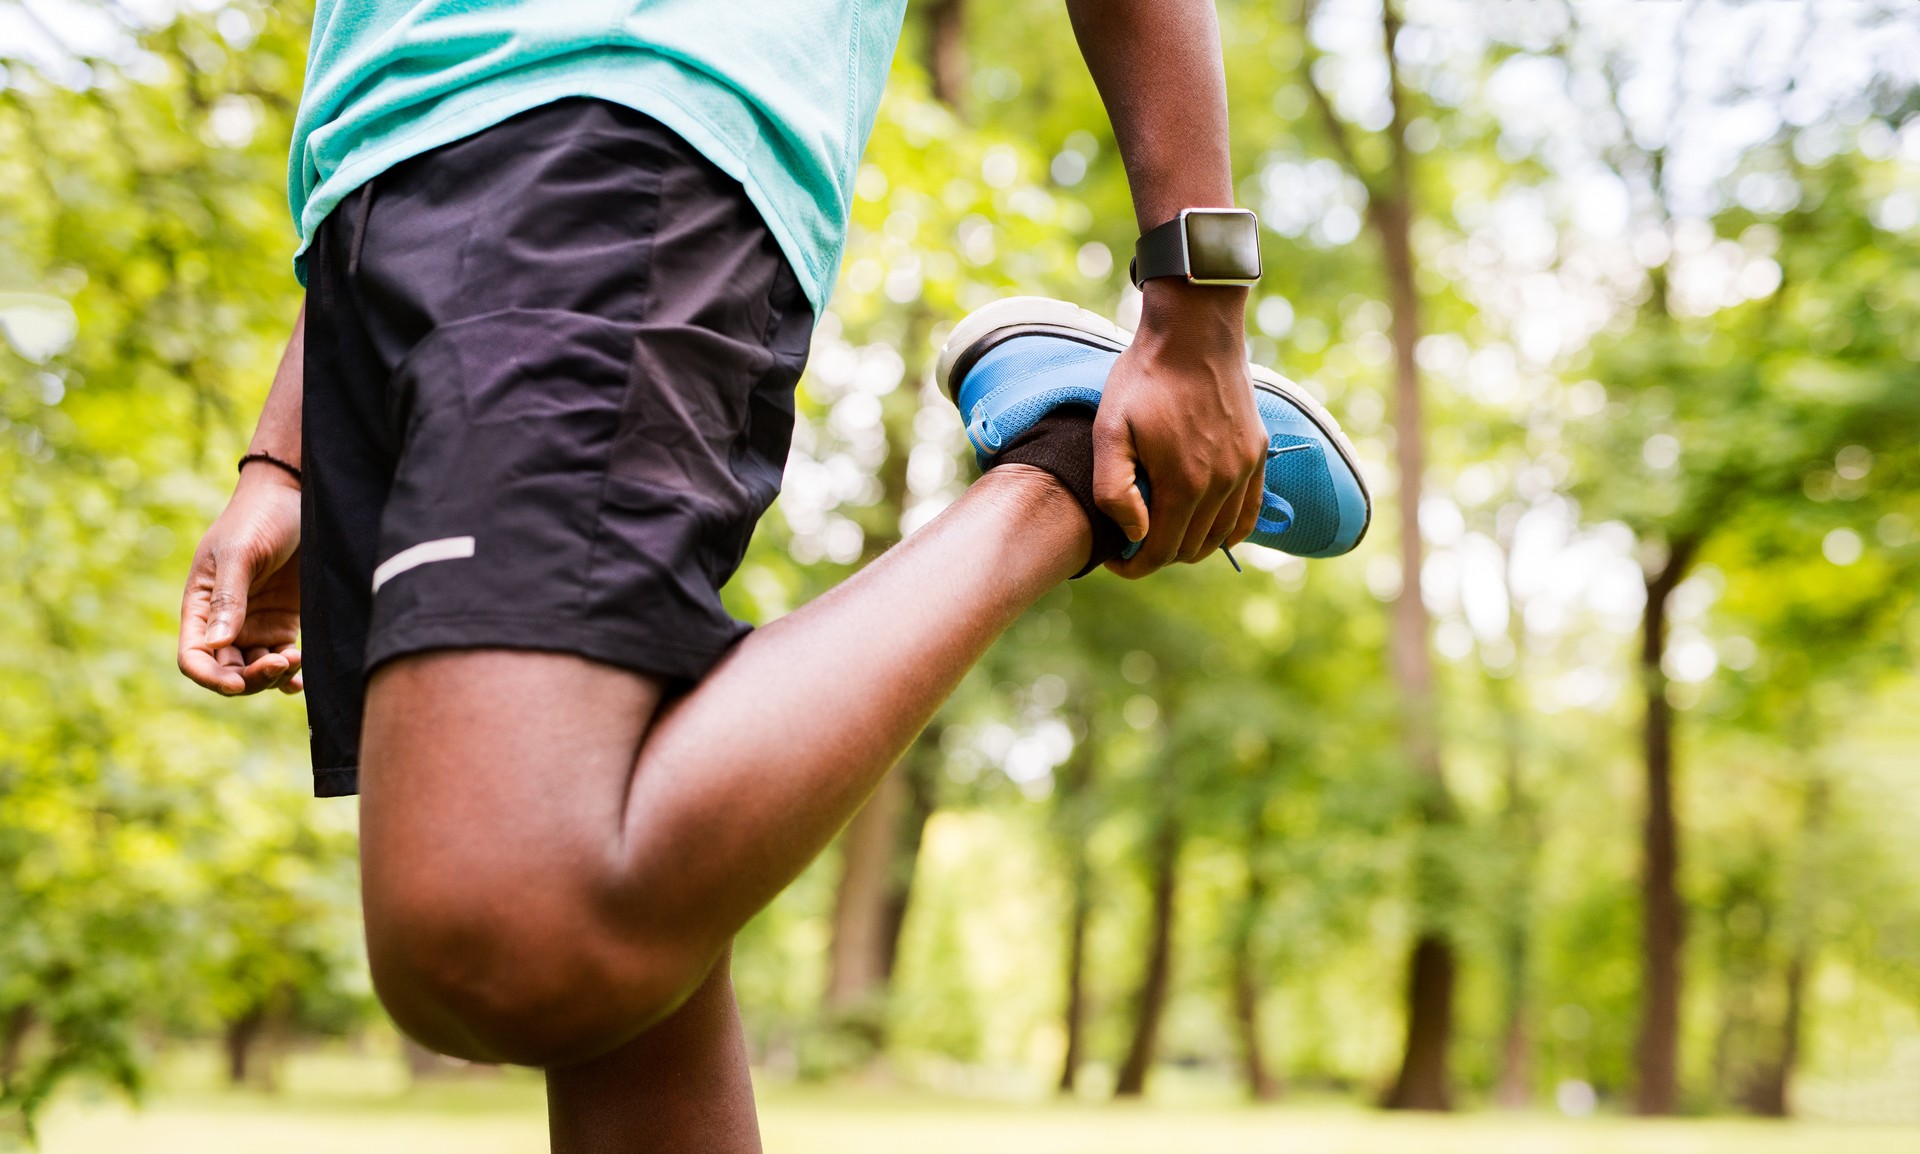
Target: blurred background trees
{"points": [[1584, 781]]}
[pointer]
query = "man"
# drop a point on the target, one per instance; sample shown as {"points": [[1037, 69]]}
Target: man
{"points": [[562, 264]]}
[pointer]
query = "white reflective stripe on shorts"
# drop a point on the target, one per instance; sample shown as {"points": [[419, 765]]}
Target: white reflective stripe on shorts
{"points": [[426, 552]]}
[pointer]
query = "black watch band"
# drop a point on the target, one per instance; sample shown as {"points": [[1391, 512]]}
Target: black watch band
{"points": [[1203, 246]]}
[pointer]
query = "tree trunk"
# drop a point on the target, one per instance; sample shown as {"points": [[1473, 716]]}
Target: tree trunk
{"points": [[1261, 1083], [947, 52], [1075, 1013], [1152, 1000], [921, 769], [1657, 1055], [1073, 822], [241, 1035], [1772, 1097], [1768, 1097], [1424, 1082], [857, 958], [13, 1042], [1513, 1088]]}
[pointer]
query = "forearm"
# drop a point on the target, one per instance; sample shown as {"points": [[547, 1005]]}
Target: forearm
{"points": [[278, 433], [1158, 66], [1177, 405]]}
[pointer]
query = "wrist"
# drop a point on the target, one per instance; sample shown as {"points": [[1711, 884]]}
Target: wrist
{"points": [[256, 473], [1195, 319]]}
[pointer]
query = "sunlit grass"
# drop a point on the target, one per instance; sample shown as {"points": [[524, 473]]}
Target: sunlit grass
{"points": [[363, 1106]]}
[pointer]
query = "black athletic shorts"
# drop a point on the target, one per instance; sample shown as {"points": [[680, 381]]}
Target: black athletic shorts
{"points": [[549, 391]]}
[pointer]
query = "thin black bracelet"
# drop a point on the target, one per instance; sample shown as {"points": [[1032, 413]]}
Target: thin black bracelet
{"points": [[270, 459]]}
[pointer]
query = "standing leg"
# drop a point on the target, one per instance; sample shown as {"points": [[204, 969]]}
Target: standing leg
{"points": [[682, 1085]]}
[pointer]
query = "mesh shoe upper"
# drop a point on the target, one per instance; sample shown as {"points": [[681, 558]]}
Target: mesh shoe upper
{"points": [[1297, 471], [1051, 354], [1021, 380]]}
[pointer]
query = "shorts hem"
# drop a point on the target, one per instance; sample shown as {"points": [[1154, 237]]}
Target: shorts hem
{"points": [[629, 649], [339, 781]]}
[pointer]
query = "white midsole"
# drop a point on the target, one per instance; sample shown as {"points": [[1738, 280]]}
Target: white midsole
{"points": [[1005, 314]]}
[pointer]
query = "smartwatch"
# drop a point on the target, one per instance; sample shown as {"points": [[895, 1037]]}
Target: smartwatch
{"points": [[1205, 246]]}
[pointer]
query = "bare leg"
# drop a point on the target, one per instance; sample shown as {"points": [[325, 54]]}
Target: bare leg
{"points": [[682, 1085], [550, 868]]}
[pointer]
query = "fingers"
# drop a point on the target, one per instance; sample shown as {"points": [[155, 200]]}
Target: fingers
{"points": [[205, 668], [1114, 468], [1173, 507], [239, 614], [1225, 516], [227, 602], [1239, 511], [1192, 520], [223, 668], [1200, 539], [265, 673], [197, 657], [1172, 519], [1249, 516], [270, 668]]}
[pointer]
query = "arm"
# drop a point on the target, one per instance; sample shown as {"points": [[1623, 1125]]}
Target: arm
{"points": [[240, 617], [1178, 403]]}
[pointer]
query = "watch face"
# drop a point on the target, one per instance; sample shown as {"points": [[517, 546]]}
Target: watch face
{"points": [[1222, 245]]}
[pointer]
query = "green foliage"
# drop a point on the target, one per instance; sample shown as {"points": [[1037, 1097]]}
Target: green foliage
{"points": [[167, 873], [163, 865]]}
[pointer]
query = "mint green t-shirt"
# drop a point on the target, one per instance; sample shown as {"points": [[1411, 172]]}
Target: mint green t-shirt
{"points": [[780, 94]]}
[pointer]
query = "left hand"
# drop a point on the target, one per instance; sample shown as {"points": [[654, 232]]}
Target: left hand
{"points": [[240, 614]]}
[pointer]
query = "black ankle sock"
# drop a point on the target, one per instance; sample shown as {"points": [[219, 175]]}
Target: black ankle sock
{"points": [[1061, 443]]}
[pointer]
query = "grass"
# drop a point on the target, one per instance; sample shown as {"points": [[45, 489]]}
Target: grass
{"points": [[340, 1107]]}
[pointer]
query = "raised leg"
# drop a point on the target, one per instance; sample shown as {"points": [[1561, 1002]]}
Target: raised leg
{"points": [[553, 860]]}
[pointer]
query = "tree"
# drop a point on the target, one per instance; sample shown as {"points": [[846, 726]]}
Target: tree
{"points": [[1200, 786], [926, 184], [1262, 1086], [1156, 976], [1742, 434], [1423, 1082], [143, 245]]}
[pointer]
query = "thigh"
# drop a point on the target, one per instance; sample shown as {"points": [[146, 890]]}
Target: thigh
{"points": [[502, 773]]}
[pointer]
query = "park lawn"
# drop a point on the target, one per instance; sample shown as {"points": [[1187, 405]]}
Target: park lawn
{"points": [[505, 1117]]}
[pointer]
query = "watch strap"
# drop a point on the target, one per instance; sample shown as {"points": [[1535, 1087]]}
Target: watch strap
{"points": [[1160, 251]]}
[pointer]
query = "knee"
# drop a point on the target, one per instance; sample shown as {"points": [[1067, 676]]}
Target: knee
{"points": [[528, 978]]}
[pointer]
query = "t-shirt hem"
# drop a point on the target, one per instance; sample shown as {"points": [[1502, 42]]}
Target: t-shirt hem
{"points": [[503, 99]]}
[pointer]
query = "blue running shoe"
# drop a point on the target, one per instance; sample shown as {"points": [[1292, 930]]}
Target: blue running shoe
{"points": [[1016, 360], [1316, 502], [1012, 362]]}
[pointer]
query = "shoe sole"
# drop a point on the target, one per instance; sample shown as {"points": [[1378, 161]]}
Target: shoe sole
{"points": [[985, 328], [989, 325]]}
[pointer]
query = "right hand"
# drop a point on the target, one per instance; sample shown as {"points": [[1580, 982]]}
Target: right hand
{"points": [[240, 617], [1178, 407]]}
